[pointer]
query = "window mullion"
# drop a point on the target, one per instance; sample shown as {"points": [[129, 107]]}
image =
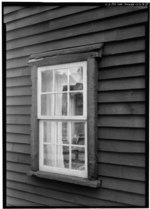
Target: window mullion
{"points": [[70, 145]]}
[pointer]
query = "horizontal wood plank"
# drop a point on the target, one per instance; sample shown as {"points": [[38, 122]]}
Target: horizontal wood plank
{"points": [[123, 59], [136, 187], [18, 148], [16, 167], [15, 91], [19, 81], [121, 109], [122, 72], [10, 9], [18, 110], [124, 46], [18, 138], [133, 160], [122, 84], [128, 147], [18, 119], [25, 71], [121, 133], [21, 129], [122, 121], [122, 172], [20, 100], [21, 158], [121, 96], [14, 201]]}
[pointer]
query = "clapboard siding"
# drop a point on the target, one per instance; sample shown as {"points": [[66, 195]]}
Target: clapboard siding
{"points": [[12, 201], [121, 133], [25, 12], [120, 98], [24, 71], [124, 147], [104, 36], [18, 138], [122, 72], [10, 9], [126, 197], [121, 109], [37, 198], [22, 110], [78, 30], [84, 17]]}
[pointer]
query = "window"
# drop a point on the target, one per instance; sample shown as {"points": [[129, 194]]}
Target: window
{"points": [[62, 114]]}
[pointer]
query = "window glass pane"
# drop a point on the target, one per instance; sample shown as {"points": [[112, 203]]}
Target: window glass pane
{"points": [[46, 104], [49, 154], [76, 78], [47, 81], [62, 133], [76, 104], [49, 131], [61, 80], [62, 157], [77, 158], [78, 133], [61, 104]]}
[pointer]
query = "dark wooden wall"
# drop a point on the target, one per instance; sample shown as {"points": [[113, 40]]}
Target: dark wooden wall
{"points": [[121, 100]]}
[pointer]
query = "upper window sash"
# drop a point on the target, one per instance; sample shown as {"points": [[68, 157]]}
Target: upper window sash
{"points": [[53, 92]]}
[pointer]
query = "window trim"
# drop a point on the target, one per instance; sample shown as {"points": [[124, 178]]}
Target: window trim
{"points": [[84, 54], [68, 118]]}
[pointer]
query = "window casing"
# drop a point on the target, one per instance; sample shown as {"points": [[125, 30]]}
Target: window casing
{"points": [[62, 115], [90, 56]]}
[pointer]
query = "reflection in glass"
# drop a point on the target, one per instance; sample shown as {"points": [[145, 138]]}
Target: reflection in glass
{"points": [[77, 158], [49, 155], [76, 104], [76, 78], [47, 81], [77, 133], [46, 104], [61, 104], [61, 80], [62, 133]]}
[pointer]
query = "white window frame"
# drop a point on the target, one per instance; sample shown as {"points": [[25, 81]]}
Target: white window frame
{"points": [[83, 118]]}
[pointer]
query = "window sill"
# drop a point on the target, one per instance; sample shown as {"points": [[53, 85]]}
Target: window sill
{"points": [[65, 178]]}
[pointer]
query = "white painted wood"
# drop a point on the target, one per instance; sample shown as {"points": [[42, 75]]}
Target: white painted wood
{"points": [[68, 118]]}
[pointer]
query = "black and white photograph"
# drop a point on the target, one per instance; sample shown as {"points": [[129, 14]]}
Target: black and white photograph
{"points": [[75, 79]]}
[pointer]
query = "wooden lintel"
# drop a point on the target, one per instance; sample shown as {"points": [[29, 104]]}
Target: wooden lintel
{"points": [[74, 50]]}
